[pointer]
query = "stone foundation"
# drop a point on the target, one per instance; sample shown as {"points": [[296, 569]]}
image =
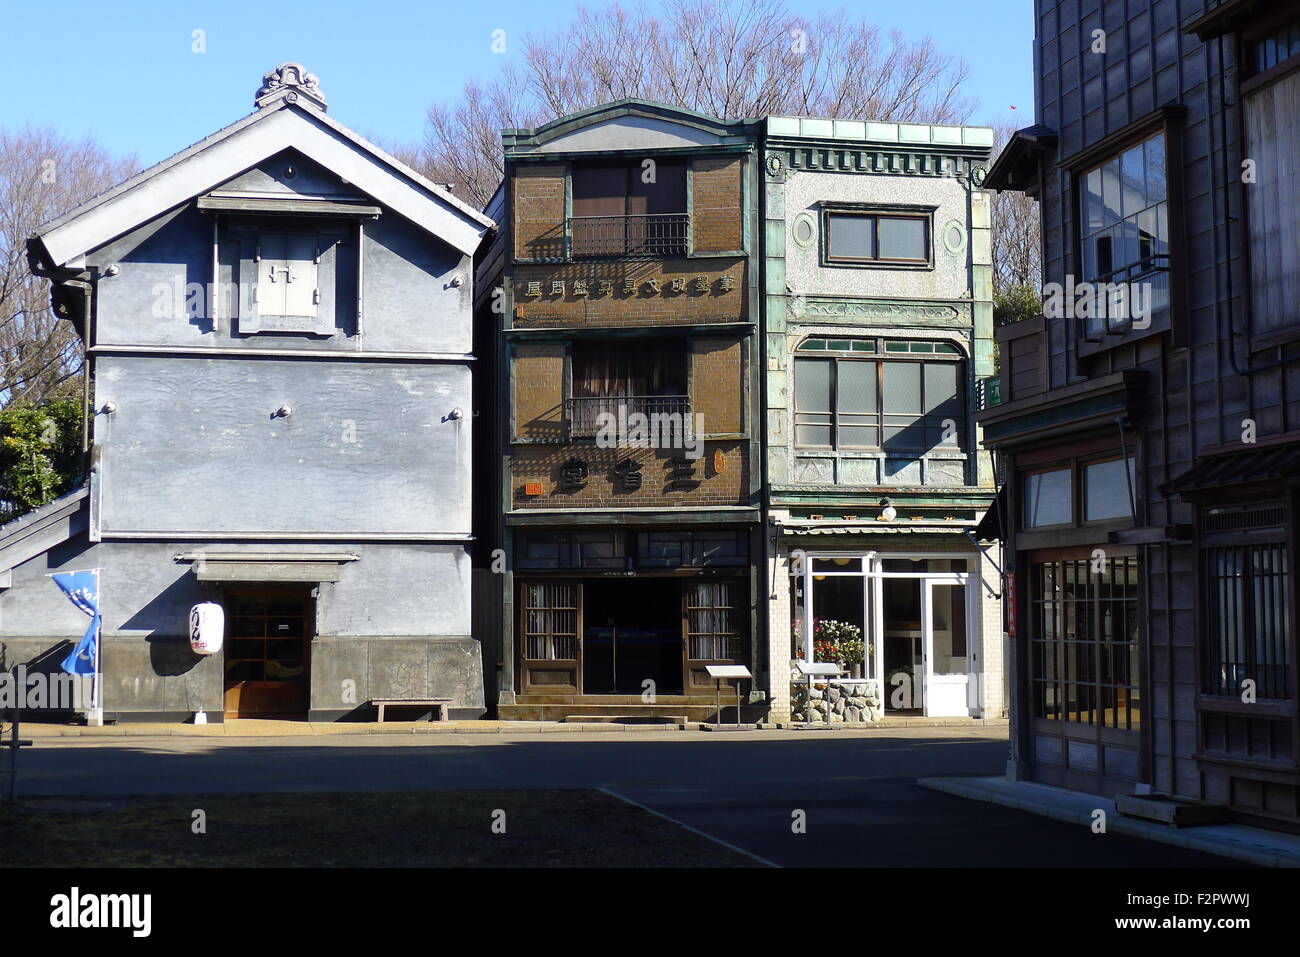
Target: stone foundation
{"points": [[855, 702]]}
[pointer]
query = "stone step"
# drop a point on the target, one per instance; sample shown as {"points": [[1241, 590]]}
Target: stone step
{"points": [[587, 711], [606, 699]]}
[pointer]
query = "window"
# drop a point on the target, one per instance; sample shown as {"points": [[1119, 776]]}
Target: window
{"points": [[1124, 238], [1085, 490], [1106, 490], [617, 212], [1247, 626], [711, 622], [1049, 498], [286, 274], [550, 622], [620, 379], [854, 401], [853, 237], [1272, 122], [570, 550], [676, 549], [1084, 649]]}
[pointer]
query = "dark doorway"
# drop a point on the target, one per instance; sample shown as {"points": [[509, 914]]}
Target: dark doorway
{"points": [[632, 631], [266, 645]]}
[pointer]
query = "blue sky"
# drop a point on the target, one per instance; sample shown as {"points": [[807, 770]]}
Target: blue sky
{"points": [[126, 72]]}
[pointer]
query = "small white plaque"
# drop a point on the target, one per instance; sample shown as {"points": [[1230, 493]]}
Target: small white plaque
{"points": [[728, 671]]}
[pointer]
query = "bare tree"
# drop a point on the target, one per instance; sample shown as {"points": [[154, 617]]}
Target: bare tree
{"points": [[41, 175], [1017, 233], [726, 58]]}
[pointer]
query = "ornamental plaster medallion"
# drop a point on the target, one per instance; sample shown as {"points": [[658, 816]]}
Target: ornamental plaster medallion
{"points": [[954, 237], [803, 230]]}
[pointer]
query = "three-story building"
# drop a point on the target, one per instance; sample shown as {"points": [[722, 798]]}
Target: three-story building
{"points": [[621, 550], [878, 324]]}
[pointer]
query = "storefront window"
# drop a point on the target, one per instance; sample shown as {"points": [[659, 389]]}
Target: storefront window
{"points": [[1084, 648]]}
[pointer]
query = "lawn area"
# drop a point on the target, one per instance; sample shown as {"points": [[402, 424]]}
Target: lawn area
{"points": [[396, 829]]}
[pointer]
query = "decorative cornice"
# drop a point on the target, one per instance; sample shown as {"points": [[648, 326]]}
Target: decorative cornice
{"points": [[904, 160], [289, 81]]}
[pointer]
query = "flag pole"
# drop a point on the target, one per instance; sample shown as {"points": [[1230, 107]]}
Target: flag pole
{"points": [[96, 716]]}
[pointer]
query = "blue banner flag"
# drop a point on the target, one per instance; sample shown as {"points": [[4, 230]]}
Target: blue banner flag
{"points": [[82, 588]]}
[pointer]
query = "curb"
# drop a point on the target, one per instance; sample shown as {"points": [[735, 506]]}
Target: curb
{"points": [[1038, 799]]}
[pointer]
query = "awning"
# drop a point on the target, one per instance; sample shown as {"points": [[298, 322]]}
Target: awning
{"points": [[268, 566], [1271, 463], [992, 526]]}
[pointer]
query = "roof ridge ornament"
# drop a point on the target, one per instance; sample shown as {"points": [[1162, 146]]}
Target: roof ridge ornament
{"points": [[289, 81]]}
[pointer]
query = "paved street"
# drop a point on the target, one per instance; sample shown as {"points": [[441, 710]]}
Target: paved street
{"points": [[859, 790]]}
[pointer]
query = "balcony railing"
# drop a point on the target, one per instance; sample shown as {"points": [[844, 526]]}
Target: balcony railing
{"points": [[629, 237], [589, 414]]}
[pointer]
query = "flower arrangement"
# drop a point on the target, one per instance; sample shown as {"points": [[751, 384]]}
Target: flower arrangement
{"points": [[837, 641]]}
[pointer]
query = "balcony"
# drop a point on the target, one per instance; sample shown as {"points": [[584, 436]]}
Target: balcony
{"points": [[648, 236], [588, 414]]}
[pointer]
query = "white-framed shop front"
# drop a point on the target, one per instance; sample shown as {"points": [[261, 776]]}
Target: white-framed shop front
{"points": [[947, 602]]}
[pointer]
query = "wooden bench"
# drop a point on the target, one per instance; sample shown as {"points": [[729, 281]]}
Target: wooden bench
{"points": [[439, 703]]}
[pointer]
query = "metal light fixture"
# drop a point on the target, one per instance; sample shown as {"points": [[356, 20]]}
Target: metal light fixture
{"points": [[887, 511]]}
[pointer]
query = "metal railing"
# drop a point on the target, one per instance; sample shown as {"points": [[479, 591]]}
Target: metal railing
{"points": [[587, 414], [640, 236]]}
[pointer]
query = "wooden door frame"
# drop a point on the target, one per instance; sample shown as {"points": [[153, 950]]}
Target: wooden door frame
{"points": [[275, 590]]}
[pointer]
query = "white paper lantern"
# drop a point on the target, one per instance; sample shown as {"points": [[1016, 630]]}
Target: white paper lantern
{"points": [[207, 625]]}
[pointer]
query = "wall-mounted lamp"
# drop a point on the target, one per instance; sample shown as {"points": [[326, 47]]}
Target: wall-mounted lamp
{"points": [[283, 412], [456, 281], [113, 270], [887, 511], [455, 414], [108, 407]]}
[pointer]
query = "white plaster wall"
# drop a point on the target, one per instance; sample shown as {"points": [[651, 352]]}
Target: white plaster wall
{"points": [[805, 275]]}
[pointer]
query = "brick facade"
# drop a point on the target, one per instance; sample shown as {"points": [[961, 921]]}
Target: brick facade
{"points": [[716, 191]]}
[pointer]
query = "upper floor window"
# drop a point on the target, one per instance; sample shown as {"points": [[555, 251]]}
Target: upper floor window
{"points": [[1271, 110], [621, 378], [286, 274], [869, 237], [1080, 492], [1124, 239], [899, 396], [629, 209]]}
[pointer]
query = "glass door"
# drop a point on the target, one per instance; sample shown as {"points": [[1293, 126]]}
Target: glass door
{"points": [[949, 652]]}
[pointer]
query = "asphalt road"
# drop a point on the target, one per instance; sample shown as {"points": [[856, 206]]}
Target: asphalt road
{"points": [[858, 790]]}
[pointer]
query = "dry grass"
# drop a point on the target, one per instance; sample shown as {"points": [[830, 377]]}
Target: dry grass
{"points": [[393, 829]]}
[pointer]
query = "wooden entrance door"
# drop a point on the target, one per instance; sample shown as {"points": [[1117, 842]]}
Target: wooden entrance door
{"points": [[267, 643]]}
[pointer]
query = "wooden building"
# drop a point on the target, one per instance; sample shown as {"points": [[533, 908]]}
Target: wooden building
{"points": [[618, 304], [1149, 431]]}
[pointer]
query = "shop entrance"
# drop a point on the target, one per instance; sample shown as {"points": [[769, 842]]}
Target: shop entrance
{"points": [[632, 633], [610, 636]]}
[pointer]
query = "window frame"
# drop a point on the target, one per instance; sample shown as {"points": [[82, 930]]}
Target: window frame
{"points": [[1077, 466], [1083, 234], [876, 212], [877, 357], [1249, 82], [1167, 120]]}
